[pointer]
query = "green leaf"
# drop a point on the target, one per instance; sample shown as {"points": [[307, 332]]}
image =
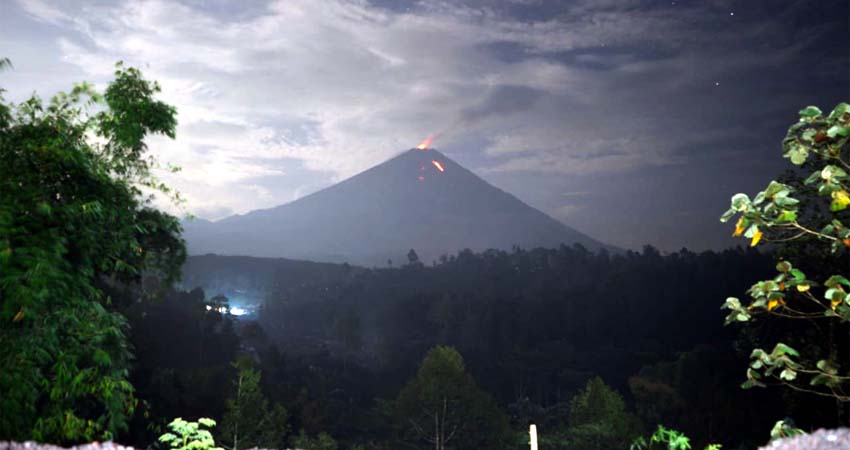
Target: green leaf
{"points": [[838, 111], [783, 349], [740, 201], [835, 280], [727, 215], [810, 111], [809, 135], [826, 366], [784, 201], [822, 380], [798, 154], [838, 130], [209, 423], [786, 216], [815, 176]]}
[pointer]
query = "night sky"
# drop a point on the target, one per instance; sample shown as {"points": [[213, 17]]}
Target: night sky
{"points": [[631, 121]]}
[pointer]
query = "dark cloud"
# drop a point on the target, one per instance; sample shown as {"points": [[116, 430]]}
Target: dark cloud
{"points": [[612, 57], [501, 101]]}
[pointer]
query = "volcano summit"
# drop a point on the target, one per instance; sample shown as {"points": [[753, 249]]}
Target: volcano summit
{"points": [[419, 199]]}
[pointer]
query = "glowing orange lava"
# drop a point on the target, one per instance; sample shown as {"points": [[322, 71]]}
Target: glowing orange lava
{"points": [[426, 143], [438, 165]]}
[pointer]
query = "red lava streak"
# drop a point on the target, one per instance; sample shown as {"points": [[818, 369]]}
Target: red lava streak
{"points": [[438, 165]]}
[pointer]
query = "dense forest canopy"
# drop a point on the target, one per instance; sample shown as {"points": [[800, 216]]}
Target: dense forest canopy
{"points": [[533, 327]]}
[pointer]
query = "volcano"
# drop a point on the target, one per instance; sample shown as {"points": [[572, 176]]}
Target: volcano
{"points": [[419, 199]]}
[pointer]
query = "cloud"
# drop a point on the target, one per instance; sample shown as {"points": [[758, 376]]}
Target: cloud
{"points": [[308, 93], [502, 101], [564, 212]]}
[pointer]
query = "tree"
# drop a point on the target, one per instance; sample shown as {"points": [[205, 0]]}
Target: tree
{"points": [[599, 420], [819, 145], [248, 421], [413, 258], [186, 435], [73, 216], [442, 408]]}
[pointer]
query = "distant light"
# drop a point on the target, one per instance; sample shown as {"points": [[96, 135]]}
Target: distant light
{"points": [[717, 83], [209, 308], [731, 14], [237, 311]]}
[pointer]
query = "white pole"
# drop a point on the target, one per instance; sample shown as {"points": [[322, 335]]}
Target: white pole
{"points": [[532, 434]]}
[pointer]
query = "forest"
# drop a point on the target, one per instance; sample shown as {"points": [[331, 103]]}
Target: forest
{"points": [[100, 340]]}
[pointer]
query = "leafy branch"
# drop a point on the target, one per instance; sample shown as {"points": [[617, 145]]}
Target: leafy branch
{"points": [[821, 144]]}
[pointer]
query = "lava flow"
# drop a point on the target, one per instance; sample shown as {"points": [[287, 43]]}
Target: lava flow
{"points": [[438, 165]]}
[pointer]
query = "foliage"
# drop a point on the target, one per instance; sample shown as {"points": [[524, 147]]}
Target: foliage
{"points": [[785, 428], [323, 441], [698, 394], [249, 421], [442, 407], [189, 435], [598, 418], [73, 216], [819, 144], [669, 438]]}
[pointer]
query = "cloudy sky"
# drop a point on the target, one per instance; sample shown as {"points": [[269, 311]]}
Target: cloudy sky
{"points": [[633, 121]]}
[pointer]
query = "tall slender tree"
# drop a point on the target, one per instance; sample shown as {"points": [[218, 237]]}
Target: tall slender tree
{"points": [[249, 421], [442, 408]]}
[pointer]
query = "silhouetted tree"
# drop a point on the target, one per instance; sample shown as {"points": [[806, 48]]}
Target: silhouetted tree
{"points": [[442, 408], [412, 258]]}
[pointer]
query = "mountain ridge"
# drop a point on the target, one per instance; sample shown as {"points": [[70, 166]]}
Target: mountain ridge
{"points": [[419, 199]]}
